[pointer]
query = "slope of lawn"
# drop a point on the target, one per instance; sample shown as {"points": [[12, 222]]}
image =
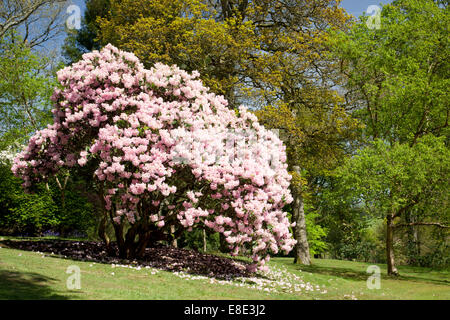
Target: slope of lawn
{"points": [[34, 275]]}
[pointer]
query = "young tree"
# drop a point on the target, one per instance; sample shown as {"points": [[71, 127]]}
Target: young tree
{"points": [[163, 151], [390, 180]]}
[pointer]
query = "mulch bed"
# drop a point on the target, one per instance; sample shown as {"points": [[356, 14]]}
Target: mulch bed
{"points": [[161, 257]]}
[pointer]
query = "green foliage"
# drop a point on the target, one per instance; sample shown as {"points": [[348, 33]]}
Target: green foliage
{"points": [[398, 75], [41, 211], [430, 247], [77, 214], [22, 213], [395, 179], [316, 234], [194, 240], [185, 33], [25, 90], [364, 243], [396, 79]]}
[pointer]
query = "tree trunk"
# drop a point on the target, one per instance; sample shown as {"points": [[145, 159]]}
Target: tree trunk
{"points": [[392, 270], [118, 231], [174, 239], [301, 252], [142, 244], [204, 240], [103, 235], [136, 240], [417, 240], [99, 202], [224, 246], [416, 237]]}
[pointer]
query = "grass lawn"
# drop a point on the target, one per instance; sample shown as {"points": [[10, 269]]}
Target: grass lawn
{"points": [[32, 275]]}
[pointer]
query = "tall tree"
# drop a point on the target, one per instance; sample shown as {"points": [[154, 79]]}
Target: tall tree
{"points": [[25, 71], [293, 77], [397, 77], [391, 180], [185, 33]]}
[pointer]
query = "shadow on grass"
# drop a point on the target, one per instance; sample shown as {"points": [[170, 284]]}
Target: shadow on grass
{"points": [[338, 272], [422, 277], [27, 286], [362, 275]]}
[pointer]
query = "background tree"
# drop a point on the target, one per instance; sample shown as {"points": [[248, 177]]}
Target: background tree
{"points": [[41, 213], [25, 89], [27, 64], [294, 80], [36, 21], [396, 78], [390, 180], [185, 33]]}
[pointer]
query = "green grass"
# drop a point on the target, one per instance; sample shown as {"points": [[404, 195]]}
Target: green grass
{"points": [[31, 275], [350, 278]]}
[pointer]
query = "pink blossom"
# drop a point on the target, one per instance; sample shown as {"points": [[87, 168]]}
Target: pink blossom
{"points": [[148, 146]]}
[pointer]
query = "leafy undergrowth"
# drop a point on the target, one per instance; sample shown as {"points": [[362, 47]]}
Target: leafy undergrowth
{"points": [[40, 275]]}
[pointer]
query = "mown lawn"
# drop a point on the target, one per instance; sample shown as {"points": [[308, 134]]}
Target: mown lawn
{"points": [[32, 275]]}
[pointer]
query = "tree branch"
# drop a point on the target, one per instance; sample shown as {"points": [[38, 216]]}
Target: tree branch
{"points": [[437, 224]]}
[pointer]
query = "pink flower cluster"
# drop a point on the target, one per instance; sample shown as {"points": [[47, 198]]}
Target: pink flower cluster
{"points": [[166, 149]]}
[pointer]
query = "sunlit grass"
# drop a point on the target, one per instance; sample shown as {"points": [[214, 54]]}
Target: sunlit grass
{"points": [[32, 275]]}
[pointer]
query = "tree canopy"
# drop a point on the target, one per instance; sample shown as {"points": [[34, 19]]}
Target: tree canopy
{"points": [[397, 77]]}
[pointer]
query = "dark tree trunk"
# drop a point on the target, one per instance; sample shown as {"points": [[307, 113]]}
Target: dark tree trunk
{"points": [[392, 270], [223, 244], [142, 244], [137, 238], [301, 250]]}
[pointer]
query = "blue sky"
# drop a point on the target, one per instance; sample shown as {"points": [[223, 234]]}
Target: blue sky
{"points": [[354, 7], [357, 7]]}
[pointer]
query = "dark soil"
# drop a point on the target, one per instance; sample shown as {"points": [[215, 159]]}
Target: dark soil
{"points": [[161, 257]]}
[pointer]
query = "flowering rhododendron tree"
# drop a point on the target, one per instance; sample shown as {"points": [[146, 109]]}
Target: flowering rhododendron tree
{"points": [[164, 154]]}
